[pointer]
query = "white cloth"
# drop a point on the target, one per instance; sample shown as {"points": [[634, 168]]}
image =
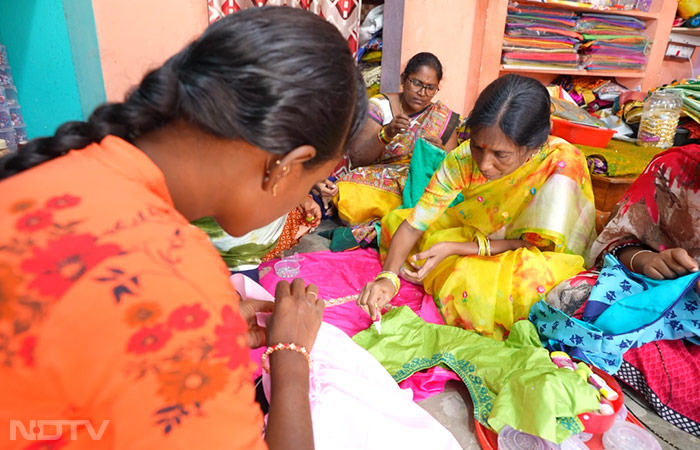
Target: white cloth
{"points": [[356, 404]]}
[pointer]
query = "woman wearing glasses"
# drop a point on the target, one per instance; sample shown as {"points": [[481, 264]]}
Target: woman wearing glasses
{"points": [[383, 151]]}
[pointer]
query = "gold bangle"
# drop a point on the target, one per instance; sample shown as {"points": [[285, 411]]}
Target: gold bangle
{"points": [[482, 245], [382, 136], [634, 256], [488, 247], [391, 276]]}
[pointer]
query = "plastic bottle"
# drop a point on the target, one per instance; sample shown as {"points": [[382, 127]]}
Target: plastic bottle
{"points": [[659, 120]]}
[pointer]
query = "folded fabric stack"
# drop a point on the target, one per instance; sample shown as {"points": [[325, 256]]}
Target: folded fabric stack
{"points": [[540, 37], [689, 90], [612, 42]]}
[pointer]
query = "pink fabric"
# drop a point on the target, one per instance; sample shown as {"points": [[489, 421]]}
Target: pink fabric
{"points": [[345, 273], [248, 288], [427, 383]]}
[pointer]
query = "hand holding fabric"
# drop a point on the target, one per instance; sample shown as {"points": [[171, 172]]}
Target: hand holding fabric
{"points": [[375, 295], [297, 316], [437, 142], [668, 264], [248, 309], [326, 190], [398, 125]]}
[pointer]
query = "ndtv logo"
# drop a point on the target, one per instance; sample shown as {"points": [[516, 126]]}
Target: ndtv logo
{"points": [[37, 429]]}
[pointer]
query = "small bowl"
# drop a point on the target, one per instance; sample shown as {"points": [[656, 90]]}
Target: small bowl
{"points": [[596, 423], [287, 268]]}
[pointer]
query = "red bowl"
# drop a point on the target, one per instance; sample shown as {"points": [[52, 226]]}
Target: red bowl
{"points": [[598, 423], [581, 134]]}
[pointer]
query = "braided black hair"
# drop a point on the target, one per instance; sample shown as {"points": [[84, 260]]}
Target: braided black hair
{"points": [[519, 105], [275, 77], [422, 59]]}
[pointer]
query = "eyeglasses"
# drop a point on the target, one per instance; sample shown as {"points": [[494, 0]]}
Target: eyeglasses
{"points": [[417, 86]]}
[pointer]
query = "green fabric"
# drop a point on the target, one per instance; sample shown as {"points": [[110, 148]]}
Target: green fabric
{"points": [[425, 160], [624, 159], [512, 382], [342, 239], [246, 254]]}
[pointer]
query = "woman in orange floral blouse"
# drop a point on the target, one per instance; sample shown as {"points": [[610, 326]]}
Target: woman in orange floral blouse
{"points": [[114, 311]]}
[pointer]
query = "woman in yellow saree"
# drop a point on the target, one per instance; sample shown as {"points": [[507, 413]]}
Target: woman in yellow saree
{"points": [[527, 216], [383, 151]]}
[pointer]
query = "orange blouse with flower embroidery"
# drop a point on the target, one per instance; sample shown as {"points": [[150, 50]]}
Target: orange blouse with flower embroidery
{"points": [[113, 308]]}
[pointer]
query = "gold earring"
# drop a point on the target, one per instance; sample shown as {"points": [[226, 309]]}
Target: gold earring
{"points": [[274, 190], [285, 169]]}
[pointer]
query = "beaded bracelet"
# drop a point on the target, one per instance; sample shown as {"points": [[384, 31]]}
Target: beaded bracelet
{"points": [[382, 136], [614, 251], [391, 276], [293, 347]]}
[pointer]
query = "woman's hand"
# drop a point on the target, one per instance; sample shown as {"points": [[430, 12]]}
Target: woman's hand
{"points": [[248, 309], [437, 142], [297, 316], [433, 256], [327, 190], [376, 295], [398, 125], [311, 212], [667, 264]]}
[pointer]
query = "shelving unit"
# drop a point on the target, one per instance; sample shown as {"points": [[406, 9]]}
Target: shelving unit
{"points": [[659, 21]]}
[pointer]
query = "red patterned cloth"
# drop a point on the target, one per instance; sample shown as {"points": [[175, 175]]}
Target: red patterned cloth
{"points": [[344, 14], [666, 374]]}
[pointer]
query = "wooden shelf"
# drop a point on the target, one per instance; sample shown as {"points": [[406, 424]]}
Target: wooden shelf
{"points": [[556, 71], [571, 7], [688, 31]]}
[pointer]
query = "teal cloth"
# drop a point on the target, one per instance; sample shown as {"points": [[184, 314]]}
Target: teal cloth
{"points": [[512, 382], [624, 310], [425, 161]]}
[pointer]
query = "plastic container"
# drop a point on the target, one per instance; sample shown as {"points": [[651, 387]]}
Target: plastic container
{"points": [[3, 56], [581, 134], [9, 94], [510, 439], [5, 121], [659, 120], [625, 436], [573, 443], [16, 116], [287, 268], [21, 134], [6, 76], [8, 134]]}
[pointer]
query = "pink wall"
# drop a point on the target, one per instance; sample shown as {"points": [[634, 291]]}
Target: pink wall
{"points": [[137, 35], [444, 28]]}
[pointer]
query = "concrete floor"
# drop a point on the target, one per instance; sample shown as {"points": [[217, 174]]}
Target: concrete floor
{"points": [[453, 409]]}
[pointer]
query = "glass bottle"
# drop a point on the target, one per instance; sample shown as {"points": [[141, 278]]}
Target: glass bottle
{"points": [[659, 120]]}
